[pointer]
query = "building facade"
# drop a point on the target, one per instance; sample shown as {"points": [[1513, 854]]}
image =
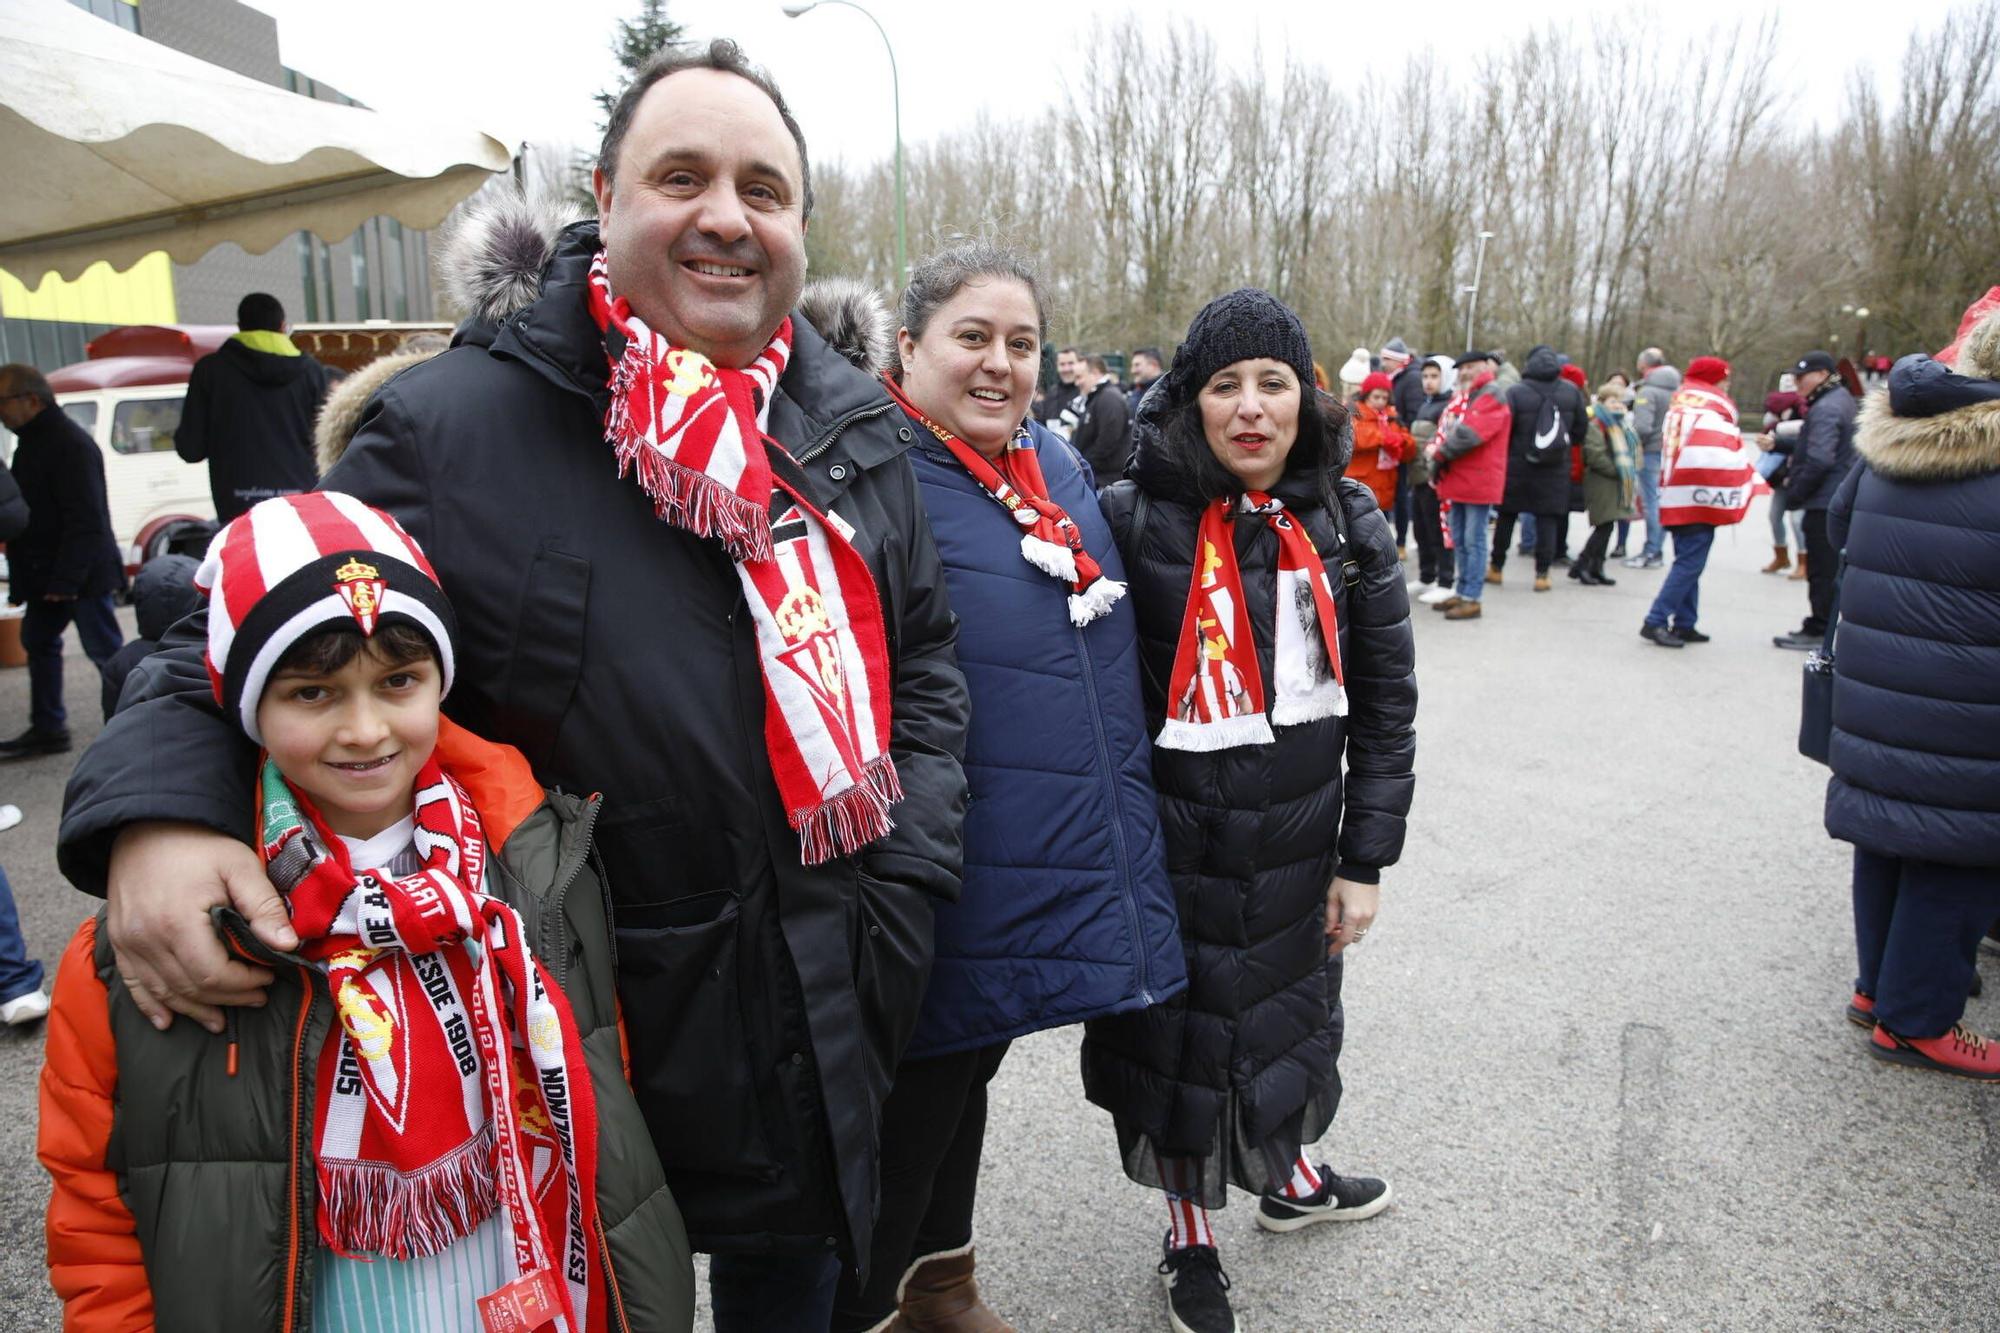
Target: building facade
{"points": [[382, 271]]}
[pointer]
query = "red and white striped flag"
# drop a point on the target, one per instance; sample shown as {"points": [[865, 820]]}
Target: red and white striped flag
{"points": [[1706, 473]]}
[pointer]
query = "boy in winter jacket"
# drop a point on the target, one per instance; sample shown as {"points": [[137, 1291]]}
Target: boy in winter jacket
{"points": [[430, 1112], [1381, 444]]}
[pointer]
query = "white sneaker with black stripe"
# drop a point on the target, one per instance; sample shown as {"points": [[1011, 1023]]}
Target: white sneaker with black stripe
{"points": [[1338, 1199]]}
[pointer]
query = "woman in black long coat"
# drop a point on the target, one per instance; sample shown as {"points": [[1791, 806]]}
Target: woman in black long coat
{"points": [[1283, 758]]}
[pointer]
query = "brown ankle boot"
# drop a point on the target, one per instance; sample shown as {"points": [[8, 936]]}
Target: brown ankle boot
{"points": [[1781, 560], [940, 1295], [1799, 570]]}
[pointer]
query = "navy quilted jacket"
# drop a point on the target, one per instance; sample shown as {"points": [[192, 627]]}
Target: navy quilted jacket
{"points": [[1066, 911], [1916, 693]]}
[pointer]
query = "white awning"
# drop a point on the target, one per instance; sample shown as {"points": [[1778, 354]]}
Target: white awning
{"points": [[112, 147]]}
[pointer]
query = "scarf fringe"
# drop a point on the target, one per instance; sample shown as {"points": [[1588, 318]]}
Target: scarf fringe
{"points": [[1094, 601], [1051, 559], [694, 501], [377, 1209], [1223, 734], [1328, 699], [850, 821]]}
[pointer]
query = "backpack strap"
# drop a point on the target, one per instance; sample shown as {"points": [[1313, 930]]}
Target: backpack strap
{"points": [[1350, 568]]}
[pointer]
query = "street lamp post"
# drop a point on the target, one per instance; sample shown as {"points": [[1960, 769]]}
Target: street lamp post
{"points": [[1472, 306], [896, 99]]}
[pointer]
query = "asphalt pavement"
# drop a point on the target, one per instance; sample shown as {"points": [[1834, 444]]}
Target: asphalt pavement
{"points": [[1595, 1040]]}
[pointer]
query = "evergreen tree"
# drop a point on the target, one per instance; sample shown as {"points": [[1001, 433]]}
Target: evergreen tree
{"points": [[637, 41]]}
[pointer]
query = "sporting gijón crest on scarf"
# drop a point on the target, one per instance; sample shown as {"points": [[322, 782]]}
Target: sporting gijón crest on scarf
{"points": [[455, 1081], [692, 432], [1217, 697], [1706, 475], [1050, 539]]}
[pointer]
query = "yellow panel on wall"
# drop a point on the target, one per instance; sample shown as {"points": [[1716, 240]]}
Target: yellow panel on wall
{"points": [[142, 294]]}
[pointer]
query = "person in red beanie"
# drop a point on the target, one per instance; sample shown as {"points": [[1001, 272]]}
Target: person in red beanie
{"points": [[1381, 443], [1706, 481]]}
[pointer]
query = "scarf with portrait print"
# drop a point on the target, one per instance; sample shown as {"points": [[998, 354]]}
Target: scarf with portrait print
{"points": [[1216, 697], [692, 432], [1050, 539], [454, 1081]]}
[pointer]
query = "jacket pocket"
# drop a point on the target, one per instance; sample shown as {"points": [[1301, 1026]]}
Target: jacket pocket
{"points": [[691, 1064], [547, 655]]}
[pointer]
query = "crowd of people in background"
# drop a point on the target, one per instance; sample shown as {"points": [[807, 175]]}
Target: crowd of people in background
{"points": [[1468, 451]]}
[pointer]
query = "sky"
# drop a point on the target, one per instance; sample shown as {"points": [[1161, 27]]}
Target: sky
{"points": [[527, 69]]}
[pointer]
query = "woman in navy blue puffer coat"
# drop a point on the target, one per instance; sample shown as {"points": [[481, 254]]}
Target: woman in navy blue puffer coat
{"points": [[1066, 911], [1916, 702]]}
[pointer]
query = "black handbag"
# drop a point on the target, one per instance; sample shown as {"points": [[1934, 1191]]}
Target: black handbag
{"points": [[1816, 694]]}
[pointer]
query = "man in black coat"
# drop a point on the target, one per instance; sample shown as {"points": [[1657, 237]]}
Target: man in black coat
{"points": [[1104, 436], [64, 566], [1821, 458], [767, 1000], [249, 412], [1549, 416]]}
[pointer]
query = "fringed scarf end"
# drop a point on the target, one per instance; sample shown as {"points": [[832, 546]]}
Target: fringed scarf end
{"points": [[1222, 734], [1094, 601], [369, 1209], [842, 825]]}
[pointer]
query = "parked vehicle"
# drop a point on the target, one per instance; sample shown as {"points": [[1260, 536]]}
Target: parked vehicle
{"points": [[128, 395]]}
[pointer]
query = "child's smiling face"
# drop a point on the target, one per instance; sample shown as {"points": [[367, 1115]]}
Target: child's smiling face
{"points": [[354, 738]]}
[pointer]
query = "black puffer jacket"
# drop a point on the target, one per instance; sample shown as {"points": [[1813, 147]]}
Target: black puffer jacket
{"points": [[1254, 836], [766, 1002], [1550, 415]]}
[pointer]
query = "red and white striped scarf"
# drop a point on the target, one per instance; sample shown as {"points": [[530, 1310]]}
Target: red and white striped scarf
{"points": [[1050, 539], [1216, 698], [455, 1081], [693, 433], [1706, 475]]}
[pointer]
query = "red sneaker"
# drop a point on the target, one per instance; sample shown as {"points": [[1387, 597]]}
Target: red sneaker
{"points": [[1861, 1010], [1960, 1051]]}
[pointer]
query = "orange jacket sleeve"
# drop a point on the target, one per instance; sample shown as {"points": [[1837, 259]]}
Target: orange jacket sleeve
{"points": [[94, 1259]]}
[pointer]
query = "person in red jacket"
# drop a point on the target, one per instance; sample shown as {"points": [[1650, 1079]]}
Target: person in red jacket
{"points": [[1381, 444], [1469, 462]]}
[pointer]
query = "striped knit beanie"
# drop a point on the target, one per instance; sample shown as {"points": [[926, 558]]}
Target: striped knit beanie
{"points": [[298, 564]]}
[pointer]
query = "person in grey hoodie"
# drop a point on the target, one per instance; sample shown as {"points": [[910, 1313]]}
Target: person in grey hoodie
{"points": [[1657, 382]]}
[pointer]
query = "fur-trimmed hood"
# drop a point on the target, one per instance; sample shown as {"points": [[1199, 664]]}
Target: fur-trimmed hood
{"points": [[340, 415], [1931, 424]]}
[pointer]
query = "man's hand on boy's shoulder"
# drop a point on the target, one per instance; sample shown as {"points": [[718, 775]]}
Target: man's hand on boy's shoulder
{"points": [[164, 878]]}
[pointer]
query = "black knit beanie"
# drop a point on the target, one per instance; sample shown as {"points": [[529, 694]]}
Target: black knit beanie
{"points": [[1244, 324]]}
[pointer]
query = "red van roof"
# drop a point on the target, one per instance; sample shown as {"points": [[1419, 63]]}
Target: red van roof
{"points": [[140, 354], [187, 342]]}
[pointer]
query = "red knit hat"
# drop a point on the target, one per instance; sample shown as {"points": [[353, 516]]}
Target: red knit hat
{"points": [[1708, 369], [297, 564], [1574, 374], [1374, 381]]}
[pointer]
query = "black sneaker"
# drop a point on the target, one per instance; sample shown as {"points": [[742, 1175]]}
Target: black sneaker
{"points": [[1799, 640], [1661, 635], [1338, 1199], [1690, 635], [1197, 1299], [34, 741]]}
